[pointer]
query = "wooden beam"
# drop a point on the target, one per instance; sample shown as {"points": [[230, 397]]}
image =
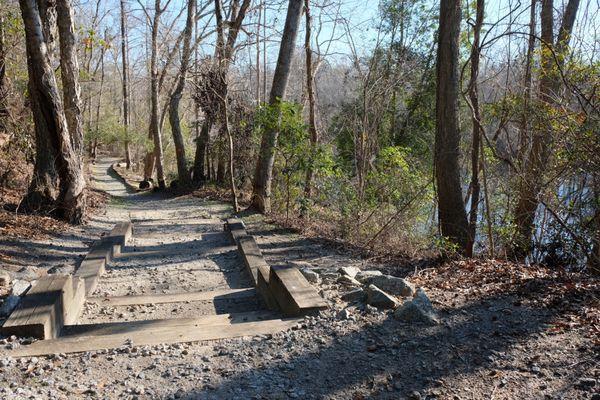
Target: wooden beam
{"points": [[293, 292], [149, 333], [158, 298], [41, 313]]}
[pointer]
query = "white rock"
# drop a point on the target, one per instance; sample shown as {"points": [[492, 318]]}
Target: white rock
{"points": [[349, 271], [392, 284], [419, 309], [380, 299], [362, 276]]}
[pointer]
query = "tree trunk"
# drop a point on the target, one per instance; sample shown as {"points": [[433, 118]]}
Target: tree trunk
{"points": [[261, 197], [536, 162], [312, 122], [3, 88], [154, 128], [49, 117], [476, 129], [451, 214], [125, 83], [69, 73], [182, 170], [201, 160], [99, 103]]}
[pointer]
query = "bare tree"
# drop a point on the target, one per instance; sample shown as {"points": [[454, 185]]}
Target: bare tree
{"points": [[310, 78], [3, 88], [125, 82], [261, 196], [49, 117], [476, 134], [182, 170], [452, 215], [69, 67]]}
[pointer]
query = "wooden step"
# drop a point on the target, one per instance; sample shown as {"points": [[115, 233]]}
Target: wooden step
{"points": [[293, 292], [251, 255], [158, 298], [42, 312], [102, 252], [148, 333], [236, 229]]}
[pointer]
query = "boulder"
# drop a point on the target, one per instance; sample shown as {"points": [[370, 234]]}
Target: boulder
{"points": [[391, 284], [310, 275], [349, 271], [347, 281], [380, 299], [354, 295], [362, 276], [419, 309]]}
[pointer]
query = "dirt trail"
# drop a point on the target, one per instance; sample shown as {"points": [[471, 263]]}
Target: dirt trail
{"points": [[178, 246]]}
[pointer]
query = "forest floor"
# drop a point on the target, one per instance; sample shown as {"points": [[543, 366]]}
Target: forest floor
{"points": [[507, 331]]}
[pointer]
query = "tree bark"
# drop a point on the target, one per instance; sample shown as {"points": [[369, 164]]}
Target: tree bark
{"points": [[49, 117], [476, 129], [312, 121], [69, 67], [125, 82], [535, 164], [3, 88], [451, 213], [201, 160], [261, 197], [182, 170], [154, 127]]}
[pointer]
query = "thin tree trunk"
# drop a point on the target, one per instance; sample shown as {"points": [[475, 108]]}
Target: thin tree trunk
{"points": [[182, 170], [261, 198], [69, 67], [3, 88], [99, 103], [201, 161], [312, 122], [258, 80], [524, 138], [451, 214], [154, 128], [49, 117], [474, 98], [125, 82]]}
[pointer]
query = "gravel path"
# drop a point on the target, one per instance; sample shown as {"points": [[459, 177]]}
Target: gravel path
{"points": [[499, 346]]}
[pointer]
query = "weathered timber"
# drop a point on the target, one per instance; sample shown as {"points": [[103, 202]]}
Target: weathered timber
{"points": [[236, 229], [149, 333], [227, 294], [262, 286], [293, 292], [41, 313], [94, 264], [118, 236], [251, 255]]}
